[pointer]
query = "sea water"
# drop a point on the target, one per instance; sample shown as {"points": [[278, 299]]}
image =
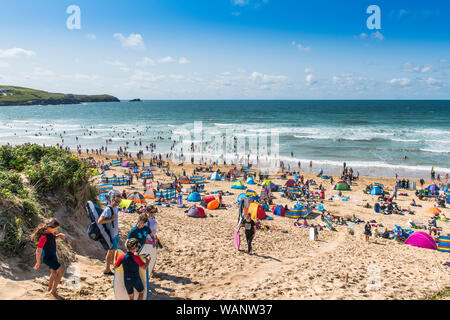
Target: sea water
{"points": [[373, 137]]}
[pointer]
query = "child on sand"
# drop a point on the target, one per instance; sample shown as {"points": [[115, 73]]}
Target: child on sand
{"points": [[152, 224], [45, 235], [141, 230], [250, 230], [131, 264], [367, 230]]}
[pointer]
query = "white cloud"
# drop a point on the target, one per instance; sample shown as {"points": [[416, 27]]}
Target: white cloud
{"points": [[402, 12], [267, 79], [91, 36], [310, 79], [240, 2], [300, 47], [400, 81], [183, 60], [143, 76], [443, 61], [4, 64], [38, 71], [16, 52], [177, 76], [81, 77], [408, 67], [134, 41], [377, 35], [145, 62], [120, 65], [433, 82], [223, 74], [352, 82], [165, 60], [426, 69]]}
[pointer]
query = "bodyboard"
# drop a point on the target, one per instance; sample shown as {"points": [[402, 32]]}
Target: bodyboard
{"points": [[149, 249], [237, 239], [92, 212], [120, 293]]}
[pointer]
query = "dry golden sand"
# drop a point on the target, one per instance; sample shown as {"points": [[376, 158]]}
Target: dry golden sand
{"points": [[199, 261]]}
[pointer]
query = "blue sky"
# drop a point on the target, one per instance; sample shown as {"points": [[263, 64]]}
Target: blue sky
{"points": [[229, 49]]}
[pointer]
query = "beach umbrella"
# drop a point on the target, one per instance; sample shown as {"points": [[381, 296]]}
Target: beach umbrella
{"points": [[137, 198], [434, 210]]}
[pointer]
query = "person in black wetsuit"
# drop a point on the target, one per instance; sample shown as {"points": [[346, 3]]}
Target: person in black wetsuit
{"points": [[250, 230], [131, 264], [45, 236], [367, 230]]}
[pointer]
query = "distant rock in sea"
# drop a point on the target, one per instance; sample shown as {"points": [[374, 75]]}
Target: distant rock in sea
{"points": [[136, 100]]}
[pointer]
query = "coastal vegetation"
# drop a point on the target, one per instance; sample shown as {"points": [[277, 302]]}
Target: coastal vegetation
{"points": [[11, 96], [35, 182]]}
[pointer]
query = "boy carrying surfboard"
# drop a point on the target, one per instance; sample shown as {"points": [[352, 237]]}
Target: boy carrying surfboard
{"points": [[131, 264]]}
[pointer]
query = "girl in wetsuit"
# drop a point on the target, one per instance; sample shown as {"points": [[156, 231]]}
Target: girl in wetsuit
{"points": [[45, 236], [250, 230]]}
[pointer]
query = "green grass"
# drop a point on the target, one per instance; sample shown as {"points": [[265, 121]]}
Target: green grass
{"points": [[22, 95], [28, 175]]}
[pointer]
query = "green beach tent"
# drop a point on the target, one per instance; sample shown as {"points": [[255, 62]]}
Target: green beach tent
{"points": [[125, 204], [266, 182], [342, 185], [238, 185]]}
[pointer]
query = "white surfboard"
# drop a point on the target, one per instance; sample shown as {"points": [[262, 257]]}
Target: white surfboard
{"points": [[120, 293], [148, 249]]}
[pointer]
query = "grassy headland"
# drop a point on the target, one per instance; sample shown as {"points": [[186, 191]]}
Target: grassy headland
{"points": [[14, 96]]}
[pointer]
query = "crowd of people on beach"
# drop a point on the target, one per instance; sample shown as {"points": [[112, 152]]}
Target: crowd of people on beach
{"points": [[308, 190]]}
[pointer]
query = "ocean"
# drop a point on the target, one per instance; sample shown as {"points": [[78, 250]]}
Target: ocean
{"points": [[372, 137]]}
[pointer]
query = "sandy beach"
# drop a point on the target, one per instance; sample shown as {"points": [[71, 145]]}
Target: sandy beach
{"points": [[199, 261]]}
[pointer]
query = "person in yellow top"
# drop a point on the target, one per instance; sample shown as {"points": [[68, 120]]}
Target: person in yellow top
{"points": [[432, 173]]}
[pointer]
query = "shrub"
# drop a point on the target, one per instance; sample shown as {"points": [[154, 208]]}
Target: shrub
{"points": [[11, 184], [14, 240]]}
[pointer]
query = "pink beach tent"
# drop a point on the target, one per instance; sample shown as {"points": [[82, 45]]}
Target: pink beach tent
{"points": [[421, 240]]}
